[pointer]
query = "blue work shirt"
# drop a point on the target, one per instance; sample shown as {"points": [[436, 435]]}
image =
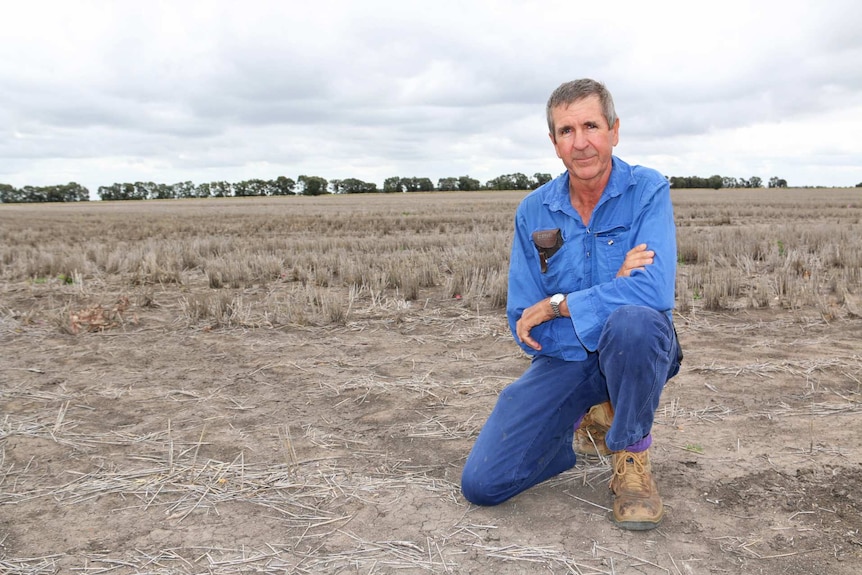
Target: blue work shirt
{"points": [[635, 208]]}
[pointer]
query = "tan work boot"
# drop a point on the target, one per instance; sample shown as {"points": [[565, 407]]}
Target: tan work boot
{"points": [[637, 503], [590, 434]]}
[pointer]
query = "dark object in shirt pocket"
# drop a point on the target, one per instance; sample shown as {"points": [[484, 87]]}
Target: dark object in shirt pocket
{"points": [[547, 242]]}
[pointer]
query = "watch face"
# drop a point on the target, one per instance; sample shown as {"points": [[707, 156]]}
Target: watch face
{"points": [[556, 300]]}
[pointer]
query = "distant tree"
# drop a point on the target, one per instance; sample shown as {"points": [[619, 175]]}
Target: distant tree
{"points": [[74, 192], [159, 191], [859, 185], [183, 189], [249, 188], [755, 182], [33, 194], [522, 182], [335, 186], [540, 179], [715, 182], [516, 181], [10, 194], [312, 185], [447, 184], [124, 191], [135, 192], [203, 190], [392, 185], [139, 190], [424, 185], [415, 184], [109, 192], [728, 182], [221, 189], [776, 182], [468, 184], [283, 186], [692, 182], [260, 187], [354, 186], [499, 183], [241, 189], [51, 193]]}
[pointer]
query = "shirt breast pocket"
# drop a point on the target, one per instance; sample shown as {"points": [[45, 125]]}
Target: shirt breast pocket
{"points": [[611, 248], [559, 274]]}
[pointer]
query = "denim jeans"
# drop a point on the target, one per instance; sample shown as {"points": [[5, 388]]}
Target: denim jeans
{"points": [[528, 436]]}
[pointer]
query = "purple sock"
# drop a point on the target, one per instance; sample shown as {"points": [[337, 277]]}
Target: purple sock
{"points": [[639, 446], [580, 419]]}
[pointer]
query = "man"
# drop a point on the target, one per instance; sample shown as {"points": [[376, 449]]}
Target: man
{"points": [[591, 292]]}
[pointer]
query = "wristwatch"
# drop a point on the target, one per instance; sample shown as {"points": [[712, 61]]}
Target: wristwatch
{"points": [[556, 300]]}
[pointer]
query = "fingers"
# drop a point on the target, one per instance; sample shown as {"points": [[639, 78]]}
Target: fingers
{"points": [[523, 332], [637, 258], [531, 342], [532, 316]]}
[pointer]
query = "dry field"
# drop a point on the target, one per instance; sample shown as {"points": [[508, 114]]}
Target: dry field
{"points": [[291, 385]]}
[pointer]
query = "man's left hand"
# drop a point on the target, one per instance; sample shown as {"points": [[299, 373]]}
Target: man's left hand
{"points": [[637, 258], [534, 315]]}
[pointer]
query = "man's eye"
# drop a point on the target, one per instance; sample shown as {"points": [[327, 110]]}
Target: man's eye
{"points": [[592, 126]]}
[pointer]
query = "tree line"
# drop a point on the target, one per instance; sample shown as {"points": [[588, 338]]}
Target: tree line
{"points": [[281, 186], [315, 186], [719, 182], [70, 192]]}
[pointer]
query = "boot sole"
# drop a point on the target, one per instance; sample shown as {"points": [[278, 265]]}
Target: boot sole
{"points": [[638, 525]]}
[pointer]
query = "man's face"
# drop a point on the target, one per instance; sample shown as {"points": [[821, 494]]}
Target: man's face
{"points": [[583, 140]]}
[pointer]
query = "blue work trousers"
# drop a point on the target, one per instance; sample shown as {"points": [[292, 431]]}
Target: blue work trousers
{"points": [[528, 436]]}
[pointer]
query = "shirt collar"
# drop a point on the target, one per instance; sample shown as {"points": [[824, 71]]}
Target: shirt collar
{"points": [[557, 198]]}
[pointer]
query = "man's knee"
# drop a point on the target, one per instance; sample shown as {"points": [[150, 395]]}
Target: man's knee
{"points": [[635, 322], [479, 489]]}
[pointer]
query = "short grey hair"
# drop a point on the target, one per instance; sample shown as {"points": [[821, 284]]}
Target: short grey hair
{"points": [[576, 90]]}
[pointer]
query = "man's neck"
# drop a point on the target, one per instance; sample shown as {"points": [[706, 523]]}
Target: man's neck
{"points": [[584, 196]]}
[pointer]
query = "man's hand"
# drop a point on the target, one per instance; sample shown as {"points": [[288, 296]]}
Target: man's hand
{"points": [[534, 315], [637, 258]]}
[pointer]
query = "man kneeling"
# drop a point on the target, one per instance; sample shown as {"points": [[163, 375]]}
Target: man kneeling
{"points": [[591, 292]]}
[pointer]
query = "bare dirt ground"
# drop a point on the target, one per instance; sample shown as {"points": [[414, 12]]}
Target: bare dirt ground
{"points": [[151, 447]]}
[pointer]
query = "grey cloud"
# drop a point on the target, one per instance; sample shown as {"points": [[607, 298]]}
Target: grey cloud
{"points": [[444, 84]]}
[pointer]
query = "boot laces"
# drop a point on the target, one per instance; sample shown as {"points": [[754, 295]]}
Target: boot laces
{"points": [[630, 471]]}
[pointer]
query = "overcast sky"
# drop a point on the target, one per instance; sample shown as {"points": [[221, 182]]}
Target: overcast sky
{"points": [[123, 91]]}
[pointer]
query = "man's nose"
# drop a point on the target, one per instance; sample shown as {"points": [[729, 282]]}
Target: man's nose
{"points": [[579, 141]]}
